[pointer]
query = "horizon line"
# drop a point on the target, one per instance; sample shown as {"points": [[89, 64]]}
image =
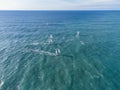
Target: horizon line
{"points": [[67, 10]]}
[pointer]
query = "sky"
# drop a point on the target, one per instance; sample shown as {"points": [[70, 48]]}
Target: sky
{"points": [[59, 4]]}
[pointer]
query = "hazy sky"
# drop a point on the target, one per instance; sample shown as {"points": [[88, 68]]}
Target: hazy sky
{"points": [[59, 4]]}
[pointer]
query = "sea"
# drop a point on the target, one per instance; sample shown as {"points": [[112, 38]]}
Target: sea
{"points": [[60, 50]]}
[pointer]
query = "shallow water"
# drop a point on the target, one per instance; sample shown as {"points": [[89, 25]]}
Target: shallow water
{"points": [[42, 50]]}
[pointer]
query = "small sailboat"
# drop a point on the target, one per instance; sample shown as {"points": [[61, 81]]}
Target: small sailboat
{"points": [[57, 51], [78, 34], [50, 39]]}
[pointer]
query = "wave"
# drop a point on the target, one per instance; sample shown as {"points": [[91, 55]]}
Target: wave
{"points": [[57, 52], [35, 43], [45, 52], [53, 24], [82, 42]]}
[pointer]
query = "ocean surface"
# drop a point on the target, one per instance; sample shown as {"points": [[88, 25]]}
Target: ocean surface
{"points": [[59, 50]]}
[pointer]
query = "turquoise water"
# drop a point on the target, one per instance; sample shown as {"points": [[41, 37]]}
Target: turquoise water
{"points": [[59, 50]]}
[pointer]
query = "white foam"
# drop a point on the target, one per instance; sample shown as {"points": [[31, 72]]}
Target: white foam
{"points": [[35, 50], [47, 53], [1, 83], [82, 42], [57, 52], [36, 43]]}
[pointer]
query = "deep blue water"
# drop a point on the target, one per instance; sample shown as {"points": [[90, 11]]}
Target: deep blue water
{"points": [[59, 50]]}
